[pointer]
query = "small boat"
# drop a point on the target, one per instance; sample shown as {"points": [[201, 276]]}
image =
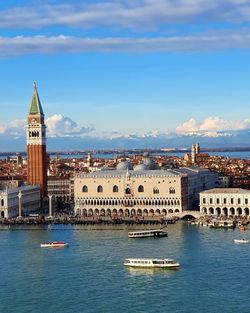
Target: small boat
{"points": [[147, 233], [242, 227], [152, 263], [54, 244], [241, 240]]}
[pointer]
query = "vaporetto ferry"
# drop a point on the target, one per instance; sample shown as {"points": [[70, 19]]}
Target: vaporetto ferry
{"points": [[147, 233], [152, 263]]}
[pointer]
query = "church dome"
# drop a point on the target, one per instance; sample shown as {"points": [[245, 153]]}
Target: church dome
{"points": [[149, 163], [141, 167], [124, 165]]}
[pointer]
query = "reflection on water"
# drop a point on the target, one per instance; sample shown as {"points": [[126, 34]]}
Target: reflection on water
{"points": [[149, 271]]}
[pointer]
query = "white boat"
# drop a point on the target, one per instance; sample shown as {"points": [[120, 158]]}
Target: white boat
{"points": [[152, 263], [54, 244], [147, 233], [241, 240]]}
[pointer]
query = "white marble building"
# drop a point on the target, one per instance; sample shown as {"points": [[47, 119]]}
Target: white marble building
{"points": [[140, 191], [225, 201], [22, 200]]}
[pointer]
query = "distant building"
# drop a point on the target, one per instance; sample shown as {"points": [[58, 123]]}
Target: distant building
{"points": [[19, 160], [199, 179], [225, 201], [26, 196], [6, 182], [140, 191], [36, 145], [224, 181], [196, 157]]}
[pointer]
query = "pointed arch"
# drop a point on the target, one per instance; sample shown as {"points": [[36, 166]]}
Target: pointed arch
{"points": [[140, 188], [155, 190], [99, 189], [127, 191], [171, 190]]}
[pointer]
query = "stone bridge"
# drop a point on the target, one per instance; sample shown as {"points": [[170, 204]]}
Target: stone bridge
{"points": [[195, 214]]}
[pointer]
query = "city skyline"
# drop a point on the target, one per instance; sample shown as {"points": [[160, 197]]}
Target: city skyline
{"points": [[140, 71]]}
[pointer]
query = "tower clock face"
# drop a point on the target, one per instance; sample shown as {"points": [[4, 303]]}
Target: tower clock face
{"points": [[33, 121]]}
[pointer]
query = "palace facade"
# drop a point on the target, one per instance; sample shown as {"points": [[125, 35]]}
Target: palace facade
{"points": [[140, 191]]}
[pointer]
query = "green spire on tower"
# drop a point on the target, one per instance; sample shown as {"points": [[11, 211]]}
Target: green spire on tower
{"points": [[35, 106]]}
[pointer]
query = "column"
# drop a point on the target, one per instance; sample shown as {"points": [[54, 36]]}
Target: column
{"points": [[20, 203], [50, 205]]}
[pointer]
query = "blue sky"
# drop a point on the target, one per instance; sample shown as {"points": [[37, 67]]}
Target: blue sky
{"points": [[127, 66]]}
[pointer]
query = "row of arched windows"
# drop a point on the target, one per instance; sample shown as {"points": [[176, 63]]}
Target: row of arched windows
{"points": [[33, 134], [226, 211], [126, 212], [127, 202], [127, 190]]}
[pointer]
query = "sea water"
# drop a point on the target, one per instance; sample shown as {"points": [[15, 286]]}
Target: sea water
{"points": [[89, 276]]}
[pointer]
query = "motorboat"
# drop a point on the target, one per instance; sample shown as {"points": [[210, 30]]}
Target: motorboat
{"points": [[242, 227], [54, 244], [241, 241], [152, 263], [147, 233]]}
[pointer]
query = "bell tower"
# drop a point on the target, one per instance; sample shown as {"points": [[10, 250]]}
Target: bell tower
{"points": [[36, 144]]}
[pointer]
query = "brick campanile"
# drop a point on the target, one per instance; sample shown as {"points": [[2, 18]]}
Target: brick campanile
{"points": [[36, 145]]}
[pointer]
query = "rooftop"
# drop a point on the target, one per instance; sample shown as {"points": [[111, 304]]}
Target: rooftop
{"points": [[122, 173], [226, 190]]}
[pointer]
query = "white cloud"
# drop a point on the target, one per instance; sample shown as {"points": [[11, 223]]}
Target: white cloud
{"points": [[57, 126], [13, 128], [15, 46], [60, 126], [212, 127], [125, 13]]}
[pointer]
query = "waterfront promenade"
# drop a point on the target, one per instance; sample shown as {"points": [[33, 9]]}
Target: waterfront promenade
{"points": [[135, 221]]}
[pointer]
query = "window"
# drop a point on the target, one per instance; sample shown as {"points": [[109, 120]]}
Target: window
{"points": [[84, 188], [140, 188], [2, 202], [115, 189], [218, 201], [232, 201], [204, 200], [211, 201], [171, 190], [127, 191], [246, 201], [99, 189], [156, 190], [239, 201], [225, 201]]}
